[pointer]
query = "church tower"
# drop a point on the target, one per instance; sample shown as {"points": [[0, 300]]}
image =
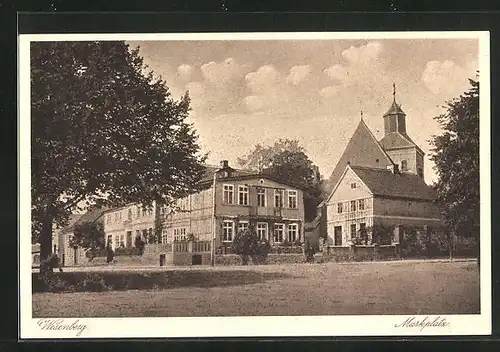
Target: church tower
{"points": [[396, 142]]}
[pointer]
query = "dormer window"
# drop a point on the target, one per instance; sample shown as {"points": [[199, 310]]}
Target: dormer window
{"points": [[353, 185]]}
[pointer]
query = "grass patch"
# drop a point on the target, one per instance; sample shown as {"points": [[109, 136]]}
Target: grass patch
{"points": [[300, 289]]}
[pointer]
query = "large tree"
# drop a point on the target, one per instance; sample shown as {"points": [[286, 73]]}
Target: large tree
{"points": [[104, 130], [287, 161], [456, 156]]}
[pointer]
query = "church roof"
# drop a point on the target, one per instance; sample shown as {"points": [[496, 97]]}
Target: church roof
{"points": [[362, 149], [395, 109], [397, 140], [388, 184]]}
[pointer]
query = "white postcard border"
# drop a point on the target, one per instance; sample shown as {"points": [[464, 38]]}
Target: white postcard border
{"points": [[382, 325]]}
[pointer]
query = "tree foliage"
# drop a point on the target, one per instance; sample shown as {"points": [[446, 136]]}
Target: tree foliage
{"points": [[104, 130], [90, 236], [456, 156], [286, 160]]}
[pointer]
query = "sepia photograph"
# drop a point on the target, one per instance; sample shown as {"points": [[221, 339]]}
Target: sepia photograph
{"points": [[257, 184]]}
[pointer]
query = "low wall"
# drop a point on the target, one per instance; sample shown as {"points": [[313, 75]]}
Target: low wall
{"points": [[235, 259], [360, 253]]}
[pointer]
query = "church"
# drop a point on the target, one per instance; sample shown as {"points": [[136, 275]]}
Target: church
{"points": [[378, 182]]}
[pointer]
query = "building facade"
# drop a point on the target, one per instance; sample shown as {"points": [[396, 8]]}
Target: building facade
{"points": [[242, 199], [369, 196]]}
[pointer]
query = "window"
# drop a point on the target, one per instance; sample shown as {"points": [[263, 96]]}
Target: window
{"points": [[228, 194], [353, 185], [242, 195], [150, 211], [353, 231], [278, 198], [292, 232], [120, 216], [130, 214], [227, 230], [164, 236], [183, 234], [340, 208], [110, 240], [177, 234], [117, 241], [353, 205], [242, 226], [361, 204], [292, 199], [404, 165], [278, 233], [109, 219], [122, 241], [143, 212], [261, 197], [138, 234], [150, 235], [116, 217], [262, 230]]}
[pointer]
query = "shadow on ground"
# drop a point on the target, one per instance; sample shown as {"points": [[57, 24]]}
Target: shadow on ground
{"points": [[119, 281]]}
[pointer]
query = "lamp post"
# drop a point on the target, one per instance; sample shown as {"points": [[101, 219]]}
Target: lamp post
{"points": [[214, 220]]}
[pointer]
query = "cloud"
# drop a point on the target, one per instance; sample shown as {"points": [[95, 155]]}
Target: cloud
{"points": [[447, 78], [298, 73], [363, 53], [329, 91], [262, 79], [219, 74], [196, 89], [254, 102], [185, 71]]}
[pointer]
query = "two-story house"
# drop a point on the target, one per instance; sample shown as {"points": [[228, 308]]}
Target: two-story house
{"points": [[242, 199]]}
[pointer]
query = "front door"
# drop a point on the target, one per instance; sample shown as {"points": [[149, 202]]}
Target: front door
{"points": [[338, 235]]}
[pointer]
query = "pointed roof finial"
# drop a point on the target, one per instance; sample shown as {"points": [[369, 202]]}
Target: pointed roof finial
{"points": [[394, 92], [361, 115]]}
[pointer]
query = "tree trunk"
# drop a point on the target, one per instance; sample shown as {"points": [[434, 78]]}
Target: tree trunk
{"points": [[450, 245], [45, 245]]}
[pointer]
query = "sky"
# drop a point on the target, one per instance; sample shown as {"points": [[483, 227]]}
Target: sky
{"points": [[249, 92]]}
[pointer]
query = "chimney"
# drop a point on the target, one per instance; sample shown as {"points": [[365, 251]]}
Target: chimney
{"points": [[224, 164]]}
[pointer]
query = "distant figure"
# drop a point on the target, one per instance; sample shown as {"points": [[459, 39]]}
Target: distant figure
{"points": [[109, 253]]}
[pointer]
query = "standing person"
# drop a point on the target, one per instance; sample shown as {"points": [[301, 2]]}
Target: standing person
{"points": [[109, 253]]}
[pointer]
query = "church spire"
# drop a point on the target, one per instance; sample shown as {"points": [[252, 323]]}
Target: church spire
{"points": [[395, 117]]}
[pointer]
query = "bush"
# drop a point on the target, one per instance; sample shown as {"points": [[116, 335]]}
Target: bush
{"points": [[92, 282], [52, 283], [247, 244], [139, 244]]}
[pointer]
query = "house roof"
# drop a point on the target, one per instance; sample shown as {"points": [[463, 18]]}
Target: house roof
{"points": [[89, 216], [388, 184], [211, 169], [362, 149], [397, 140]]}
